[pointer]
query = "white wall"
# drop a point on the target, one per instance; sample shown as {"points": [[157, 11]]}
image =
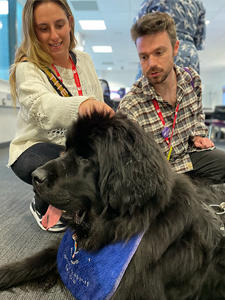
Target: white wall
{"points": [[7, 123], [7, 114], [213, 81], [125, 78]]}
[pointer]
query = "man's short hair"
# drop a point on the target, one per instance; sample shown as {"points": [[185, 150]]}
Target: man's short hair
{"points": [[154, 23]]}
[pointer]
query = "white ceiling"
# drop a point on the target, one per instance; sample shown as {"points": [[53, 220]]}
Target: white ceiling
{"points": [[118, 16]]}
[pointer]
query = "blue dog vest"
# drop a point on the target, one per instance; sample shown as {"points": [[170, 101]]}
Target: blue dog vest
{"points": [[94, 275]]}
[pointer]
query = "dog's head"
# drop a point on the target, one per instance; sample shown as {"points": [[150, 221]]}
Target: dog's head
{"points": [[110, 168]]}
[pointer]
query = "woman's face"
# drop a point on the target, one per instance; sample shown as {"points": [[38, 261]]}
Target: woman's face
{"points": [[52, 28]]}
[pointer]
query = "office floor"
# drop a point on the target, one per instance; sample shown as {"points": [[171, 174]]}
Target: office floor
{"points": [[20, 236]]}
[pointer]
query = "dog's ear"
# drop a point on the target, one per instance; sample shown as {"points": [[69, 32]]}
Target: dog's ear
{"points": [[132, 171]]}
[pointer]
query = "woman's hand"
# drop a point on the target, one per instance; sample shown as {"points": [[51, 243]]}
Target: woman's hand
{"points": [[91, 104]]}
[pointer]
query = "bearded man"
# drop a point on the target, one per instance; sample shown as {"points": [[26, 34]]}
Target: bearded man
{"points": [[167, 101]]}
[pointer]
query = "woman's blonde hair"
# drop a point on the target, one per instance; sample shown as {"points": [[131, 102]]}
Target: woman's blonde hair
{"points": [[30, 48]]}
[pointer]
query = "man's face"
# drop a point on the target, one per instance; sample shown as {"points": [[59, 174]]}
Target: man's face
{"points": [[156, 56]]}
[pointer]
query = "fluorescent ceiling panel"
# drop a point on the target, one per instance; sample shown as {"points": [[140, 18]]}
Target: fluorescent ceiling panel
{"points": [[92, 24], [102, 49]]}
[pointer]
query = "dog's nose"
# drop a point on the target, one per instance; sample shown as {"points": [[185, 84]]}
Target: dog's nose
{"points": [[39, 175]]}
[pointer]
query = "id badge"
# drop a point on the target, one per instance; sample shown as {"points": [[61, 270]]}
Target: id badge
{"points": [[165, 132]]}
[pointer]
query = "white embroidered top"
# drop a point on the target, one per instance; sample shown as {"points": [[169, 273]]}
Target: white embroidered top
{"points": [[44, 116]]}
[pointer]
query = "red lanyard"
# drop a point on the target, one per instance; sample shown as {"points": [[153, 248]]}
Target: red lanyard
{"points": [[75, 75], [155, 103]]}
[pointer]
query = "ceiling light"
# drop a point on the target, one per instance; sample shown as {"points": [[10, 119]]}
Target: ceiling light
{"points": [[207, 22], [92, 24], [4, 10], [102, 49]]}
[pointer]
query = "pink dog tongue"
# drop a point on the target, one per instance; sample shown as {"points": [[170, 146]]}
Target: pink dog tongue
{"points": [[51, 217]]}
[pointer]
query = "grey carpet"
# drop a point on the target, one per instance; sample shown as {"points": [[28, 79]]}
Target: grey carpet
{"points": [[20, 235]]}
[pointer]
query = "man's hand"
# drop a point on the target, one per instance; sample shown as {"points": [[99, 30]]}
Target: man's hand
{"points": [[91, 104], [202, 142]]}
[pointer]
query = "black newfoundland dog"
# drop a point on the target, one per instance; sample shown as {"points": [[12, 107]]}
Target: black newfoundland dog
{"points": [[113, 184]]}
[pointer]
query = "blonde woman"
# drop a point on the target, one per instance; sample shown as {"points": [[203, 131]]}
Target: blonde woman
{"points": [[53, 83]]}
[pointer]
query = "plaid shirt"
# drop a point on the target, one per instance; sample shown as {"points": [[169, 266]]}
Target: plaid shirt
{"points": [[138, 105]]}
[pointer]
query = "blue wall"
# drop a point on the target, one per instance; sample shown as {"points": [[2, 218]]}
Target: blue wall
{"points": [[4, 48], [4, 40], [19, 12]]}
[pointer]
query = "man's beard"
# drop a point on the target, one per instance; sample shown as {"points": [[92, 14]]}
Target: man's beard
{"points": [[160, 79]]}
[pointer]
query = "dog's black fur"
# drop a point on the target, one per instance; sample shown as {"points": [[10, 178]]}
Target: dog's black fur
{"points": [[113, 182]]}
